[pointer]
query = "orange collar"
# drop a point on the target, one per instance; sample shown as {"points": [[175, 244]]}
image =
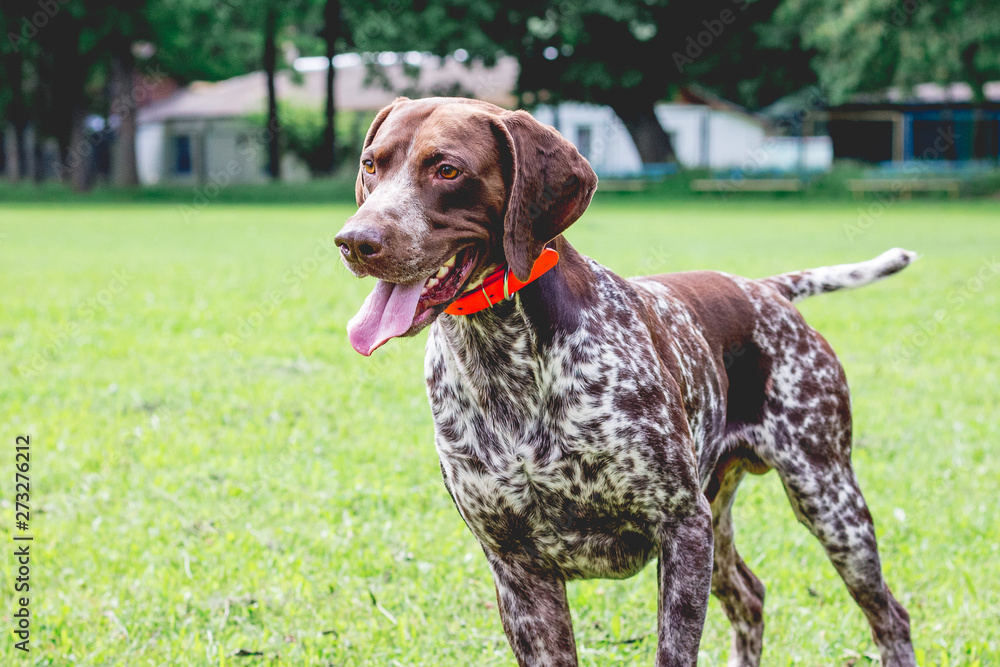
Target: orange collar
{"points": [[499, 285]]}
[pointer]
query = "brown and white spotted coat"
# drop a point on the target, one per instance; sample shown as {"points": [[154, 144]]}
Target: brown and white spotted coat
{"points": [[591, 424]]}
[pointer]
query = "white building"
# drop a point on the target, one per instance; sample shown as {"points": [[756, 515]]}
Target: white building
{"points": [[704, 135]]}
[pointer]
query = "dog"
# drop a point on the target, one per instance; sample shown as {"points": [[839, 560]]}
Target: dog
{"points": [[587, 424]]}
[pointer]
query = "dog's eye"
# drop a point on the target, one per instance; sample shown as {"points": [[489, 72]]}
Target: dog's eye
{"points": [[448, 172], [369, 166]]}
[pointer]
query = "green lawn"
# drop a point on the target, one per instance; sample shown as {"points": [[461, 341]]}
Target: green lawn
{"points": [[214, 469]]}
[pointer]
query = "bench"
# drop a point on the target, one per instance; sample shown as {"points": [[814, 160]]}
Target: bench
{"points": [[747, 185], [623, 185], [637, 181], [905, 187]]}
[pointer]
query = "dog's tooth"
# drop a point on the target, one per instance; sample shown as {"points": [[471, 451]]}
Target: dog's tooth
{"points": [[451, 262], [442, 272], [431, 283]]}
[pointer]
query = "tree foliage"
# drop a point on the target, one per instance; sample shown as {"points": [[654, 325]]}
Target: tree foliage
{"points": [[626, 54], [205, 40], [870, 45]]}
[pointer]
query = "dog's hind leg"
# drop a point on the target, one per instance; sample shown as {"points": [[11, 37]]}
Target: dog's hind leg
{"points": [[740, 592], [829, 503], [808, 420]]}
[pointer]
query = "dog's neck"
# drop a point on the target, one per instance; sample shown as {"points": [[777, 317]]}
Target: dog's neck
{"points": [[503, 351], [543, 309]]}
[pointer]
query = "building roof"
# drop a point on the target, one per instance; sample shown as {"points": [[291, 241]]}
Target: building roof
{"points": [[356, 89], [698, 96], [930, 93]]}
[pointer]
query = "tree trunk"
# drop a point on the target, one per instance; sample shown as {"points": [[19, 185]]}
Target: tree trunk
{"points": [[20, 150], [992, 131], [982, 143], [984, 133], [80, 159], [38, 159], [270, 65], [123, 166], [331, 30], [62, 73], [651, 140], [17, 114]]}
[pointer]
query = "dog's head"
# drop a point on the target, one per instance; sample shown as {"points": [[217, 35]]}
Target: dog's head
{"points": [[448, 189]]}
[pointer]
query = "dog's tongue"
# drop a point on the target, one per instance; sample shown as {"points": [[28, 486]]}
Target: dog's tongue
{"points": [[387, 312]]}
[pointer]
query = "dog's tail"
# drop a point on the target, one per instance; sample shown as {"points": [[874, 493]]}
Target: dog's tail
{"points": [[800, 285]]}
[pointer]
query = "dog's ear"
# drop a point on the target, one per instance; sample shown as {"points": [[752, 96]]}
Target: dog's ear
{"points": [[360, 192], [550, 186]]}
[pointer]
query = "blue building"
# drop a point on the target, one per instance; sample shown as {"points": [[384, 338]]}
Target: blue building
{"points": [[932, 123]]}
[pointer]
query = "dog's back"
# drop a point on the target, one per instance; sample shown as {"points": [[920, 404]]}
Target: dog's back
{"points": [[712, 333]]}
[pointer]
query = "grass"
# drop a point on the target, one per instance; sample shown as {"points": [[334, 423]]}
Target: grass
{"points": [[215, 473]]}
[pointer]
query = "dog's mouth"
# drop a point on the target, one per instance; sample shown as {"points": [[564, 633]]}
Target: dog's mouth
{"points": [[396, 309]]}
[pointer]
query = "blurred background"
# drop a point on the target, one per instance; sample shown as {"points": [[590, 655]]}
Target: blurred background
{"points": [[765, 95]]}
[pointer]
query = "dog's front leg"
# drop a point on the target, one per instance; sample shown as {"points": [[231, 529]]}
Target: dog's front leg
{"points": [[685, 577], [535, 614]]}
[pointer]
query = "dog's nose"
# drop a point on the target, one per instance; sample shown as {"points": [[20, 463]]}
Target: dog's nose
{"points": [[359, 245]]}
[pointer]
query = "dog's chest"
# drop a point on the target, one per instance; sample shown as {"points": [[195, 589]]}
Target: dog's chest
{"points": [[560, 453]]}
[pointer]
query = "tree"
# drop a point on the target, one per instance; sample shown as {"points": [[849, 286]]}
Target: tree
{"points": [[70, 58], [14, 108], [628, 54], [870, 45], [63, 60], [13, 100], [205, 40], [631, 55], [270, 60], [123, 74], [281, 19], [122, 23], [331, 34]]}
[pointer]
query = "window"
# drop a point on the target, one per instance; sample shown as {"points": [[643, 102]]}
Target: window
{"points": [[583, 135], [182, 154]]}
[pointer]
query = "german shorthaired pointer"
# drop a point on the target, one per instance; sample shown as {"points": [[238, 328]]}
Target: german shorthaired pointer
{"points": [[585, 423]]}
